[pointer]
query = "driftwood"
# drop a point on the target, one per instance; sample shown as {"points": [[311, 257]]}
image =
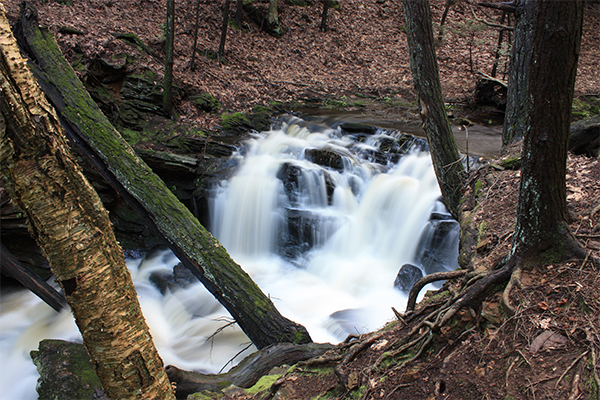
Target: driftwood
{"points": [[146, 193], [247, 372], [12, 267]]}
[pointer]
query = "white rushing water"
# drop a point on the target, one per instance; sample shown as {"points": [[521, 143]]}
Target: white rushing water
{"points": [[325, 244]]}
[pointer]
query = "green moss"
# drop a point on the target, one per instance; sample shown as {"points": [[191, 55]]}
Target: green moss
{"points": [[263, 383], [207, 103], [205, 395], [511, 162], [585, 107], [477, 188], [232, 121]]}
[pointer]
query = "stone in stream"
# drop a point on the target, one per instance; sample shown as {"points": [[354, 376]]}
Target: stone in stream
{"points": [[66, 372], [407, 276]]}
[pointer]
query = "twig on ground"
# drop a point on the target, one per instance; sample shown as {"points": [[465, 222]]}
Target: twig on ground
{"points": [[570, 367], [512, 364]]}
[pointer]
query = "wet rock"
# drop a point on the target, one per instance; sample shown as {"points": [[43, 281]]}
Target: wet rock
{"points": [[409, 142], [325, 158], [438, 246], [306, 230], [66, 372], [407, 276], [356, 128], [290, 174]]}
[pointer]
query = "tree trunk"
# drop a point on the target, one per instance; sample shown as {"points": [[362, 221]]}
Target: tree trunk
{"points": [[273, 19], [446, 160], [70, 224], [224, 28], [11, 266], [517, 100], [239, 13], [169, 42], [542, 230], [197, 15], [324, 15], [143, 190]]}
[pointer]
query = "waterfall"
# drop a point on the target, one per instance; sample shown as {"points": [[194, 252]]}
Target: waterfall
{"points": [[322, 219]]}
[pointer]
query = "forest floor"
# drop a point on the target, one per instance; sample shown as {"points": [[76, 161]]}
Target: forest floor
{"points": [[550, 347]]}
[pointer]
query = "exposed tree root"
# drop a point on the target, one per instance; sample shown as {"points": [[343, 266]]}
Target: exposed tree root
{"points": [[515, 279], [438, 276]]}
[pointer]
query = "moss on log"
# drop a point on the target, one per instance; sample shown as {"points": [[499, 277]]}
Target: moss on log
{"points": [[148, 195], [248, 371]]}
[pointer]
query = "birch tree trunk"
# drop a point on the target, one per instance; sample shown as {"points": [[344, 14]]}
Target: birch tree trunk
{"points": [[70, 224]]}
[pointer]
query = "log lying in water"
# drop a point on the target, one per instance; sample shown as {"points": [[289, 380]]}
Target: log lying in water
{"points": [[247, 372], [12, 267], [146, 193]]}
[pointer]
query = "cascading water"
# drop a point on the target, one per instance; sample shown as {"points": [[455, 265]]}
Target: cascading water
{"points": [[322, 220]]}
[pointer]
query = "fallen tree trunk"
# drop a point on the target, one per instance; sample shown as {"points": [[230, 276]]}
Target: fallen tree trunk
{"points": [[32, 281], [247, 372], [145, 192]]}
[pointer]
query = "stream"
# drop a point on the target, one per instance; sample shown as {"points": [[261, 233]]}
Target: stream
{"points": [[321, 218]]}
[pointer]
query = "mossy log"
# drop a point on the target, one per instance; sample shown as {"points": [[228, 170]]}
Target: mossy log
{"points": [[247, 372], [146, 193]]}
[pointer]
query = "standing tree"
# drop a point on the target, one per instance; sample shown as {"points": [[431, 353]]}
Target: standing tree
{"points": [[221, 51], [197, 15], [273, 19], [542, 231], [446, 160], [169, 42], [515, 120], [70, 224], [323, 26]]}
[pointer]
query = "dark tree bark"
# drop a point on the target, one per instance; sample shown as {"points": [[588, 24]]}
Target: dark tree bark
{"points": [[10, 266], [498, 46], [193, 61], [515, 120], [68, 221], [542, 231], [224, 28], [143, 190], [324, 16], [239, 13], [169, 41], [449, 3], [446, 160]]}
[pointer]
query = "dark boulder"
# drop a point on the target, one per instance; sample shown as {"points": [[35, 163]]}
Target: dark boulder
{"points": [[437, 250], [325, 158], [585, 137], [407, 276]]}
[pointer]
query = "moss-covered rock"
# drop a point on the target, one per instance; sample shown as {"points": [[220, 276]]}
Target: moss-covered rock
{"points": [[66, 371], [207, 103]]}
